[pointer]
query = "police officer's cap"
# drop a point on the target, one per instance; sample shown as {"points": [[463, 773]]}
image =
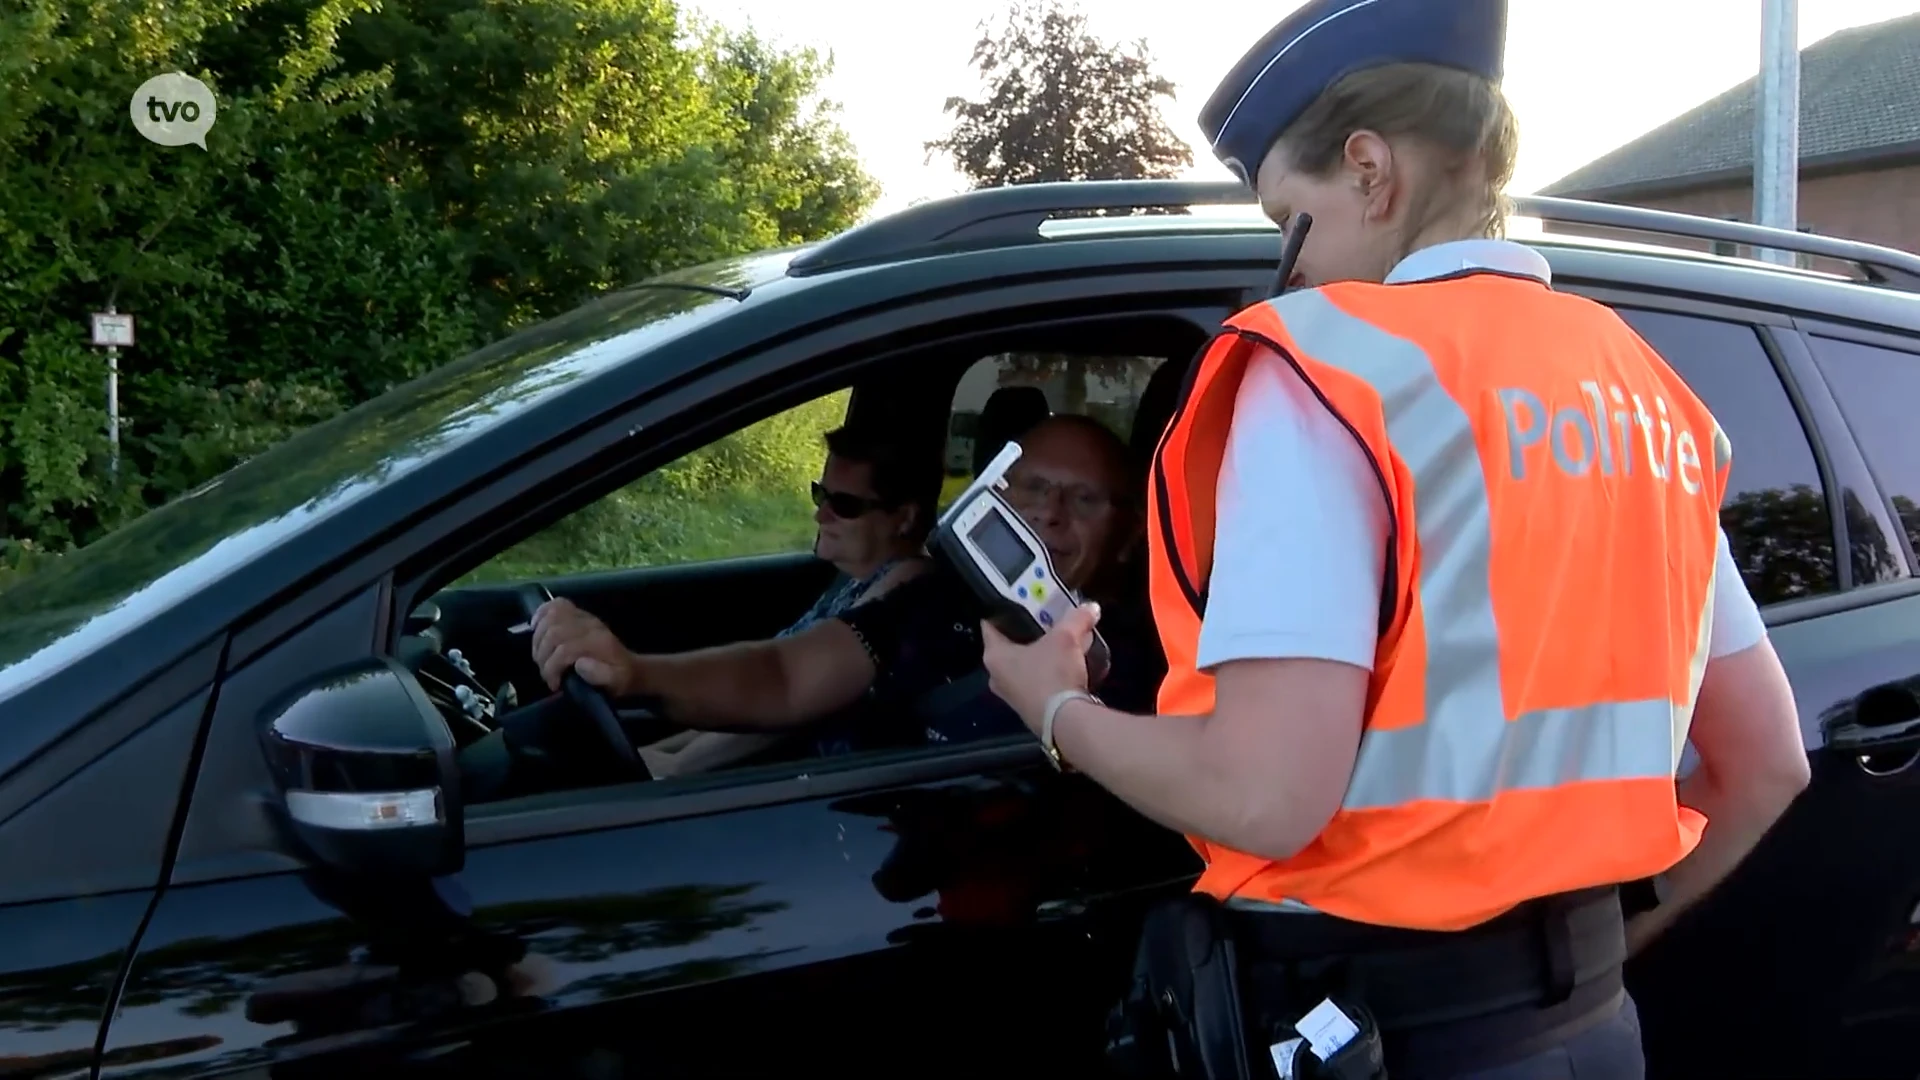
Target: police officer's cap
{"points": [[1327, 40]]}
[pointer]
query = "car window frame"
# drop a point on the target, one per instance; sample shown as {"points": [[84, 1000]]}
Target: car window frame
{"points": [[1902, 341], [641, 802], [1774, 331], [692, 430], [722, 396]]}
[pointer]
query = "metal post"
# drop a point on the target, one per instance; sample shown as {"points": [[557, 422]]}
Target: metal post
{"points": [[1776, 136], [113, 408], [113, 412]]}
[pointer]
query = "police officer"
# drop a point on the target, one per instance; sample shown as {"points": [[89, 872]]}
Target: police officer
{"points": [[1437, 566]]}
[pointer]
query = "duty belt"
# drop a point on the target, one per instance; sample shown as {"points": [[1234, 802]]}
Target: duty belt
{"points": [[1532, 957]]}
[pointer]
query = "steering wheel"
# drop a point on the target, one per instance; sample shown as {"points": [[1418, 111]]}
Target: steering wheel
{"points": [[590, 700]]}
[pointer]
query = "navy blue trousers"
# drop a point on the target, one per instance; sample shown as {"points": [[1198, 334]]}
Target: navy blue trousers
{"points": [[1606, 1050]]}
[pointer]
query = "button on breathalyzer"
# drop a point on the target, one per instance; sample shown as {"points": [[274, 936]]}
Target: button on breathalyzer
{"points": [[1005, 563]]}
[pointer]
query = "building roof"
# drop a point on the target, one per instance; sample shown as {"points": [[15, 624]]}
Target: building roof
{"points": [[1859, 103]]}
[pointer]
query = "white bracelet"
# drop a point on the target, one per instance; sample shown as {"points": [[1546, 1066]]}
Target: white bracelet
{"points": [[1054, 705]]}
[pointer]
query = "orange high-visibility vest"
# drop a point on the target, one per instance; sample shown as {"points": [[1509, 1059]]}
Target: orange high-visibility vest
{"points": [[1554, 491]]}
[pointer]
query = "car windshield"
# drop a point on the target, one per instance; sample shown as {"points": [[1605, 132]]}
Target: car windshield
{"points": [[93, 595]]}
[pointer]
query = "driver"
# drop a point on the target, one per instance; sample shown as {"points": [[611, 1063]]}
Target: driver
{"points": [[873, 509], [1072, 483]]}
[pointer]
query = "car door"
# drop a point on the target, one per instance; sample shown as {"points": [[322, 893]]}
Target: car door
{"points": [[764, 921], [610, 925], [1874, 733], [83, 838], [966, 902], [1800, 941]]}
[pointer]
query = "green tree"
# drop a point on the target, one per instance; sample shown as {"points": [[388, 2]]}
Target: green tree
{"points": [[388, 186], [1782, 540], [576, 146], [1061, 104], [1909, 514]]}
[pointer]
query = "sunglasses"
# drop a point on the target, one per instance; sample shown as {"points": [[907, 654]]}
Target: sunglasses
{"points": [[842, 504]]}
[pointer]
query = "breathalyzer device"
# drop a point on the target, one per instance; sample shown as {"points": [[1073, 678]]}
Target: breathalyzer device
{"points": [[1005, 563]]}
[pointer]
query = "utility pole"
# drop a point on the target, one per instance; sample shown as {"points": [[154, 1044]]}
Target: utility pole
{"points": [[1776, 135]]}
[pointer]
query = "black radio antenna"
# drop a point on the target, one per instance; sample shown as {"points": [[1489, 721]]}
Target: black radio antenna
{"points": [[1290, 253]]}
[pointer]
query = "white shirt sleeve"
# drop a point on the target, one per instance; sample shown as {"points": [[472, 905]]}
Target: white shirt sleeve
{"points": [[1737, 625], [1300, 531]]}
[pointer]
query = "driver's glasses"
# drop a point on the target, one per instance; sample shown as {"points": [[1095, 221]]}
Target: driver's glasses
{"points": [[1029, 492], [841, 504]]}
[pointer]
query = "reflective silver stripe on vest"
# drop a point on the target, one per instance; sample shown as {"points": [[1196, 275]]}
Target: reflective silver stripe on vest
{"points": [[1467, 750]]}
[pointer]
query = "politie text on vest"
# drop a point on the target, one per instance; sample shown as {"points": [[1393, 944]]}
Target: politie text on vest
{"points": [[1578, 436]]}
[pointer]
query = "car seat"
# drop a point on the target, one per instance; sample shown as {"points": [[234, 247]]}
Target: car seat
{"points": [[1006, 416], [1155, 411]]}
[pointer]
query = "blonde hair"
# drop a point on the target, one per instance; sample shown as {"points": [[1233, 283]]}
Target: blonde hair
{"points": [[1458, 113]]}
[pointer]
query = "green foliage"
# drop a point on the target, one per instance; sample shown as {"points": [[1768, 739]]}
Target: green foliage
{"points": [[1061, 104], [745, 494], [389, 185]]}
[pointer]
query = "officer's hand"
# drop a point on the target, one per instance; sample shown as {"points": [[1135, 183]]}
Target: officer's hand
{"points": [[567, 638], [1025, 676]]}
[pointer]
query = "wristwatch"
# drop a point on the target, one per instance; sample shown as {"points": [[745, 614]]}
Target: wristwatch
{"points": [[1054, 704]]}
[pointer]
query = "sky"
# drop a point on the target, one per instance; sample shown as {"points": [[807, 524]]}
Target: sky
{"points": [[1583, 77]]}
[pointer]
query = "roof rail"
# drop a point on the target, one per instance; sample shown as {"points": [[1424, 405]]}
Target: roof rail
{"points": [[1879, 265], [1011, 213], [1015, 213]]}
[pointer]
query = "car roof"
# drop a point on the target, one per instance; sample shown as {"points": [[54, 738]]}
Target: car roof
{"points": [[256, 529], [1026, 213]]}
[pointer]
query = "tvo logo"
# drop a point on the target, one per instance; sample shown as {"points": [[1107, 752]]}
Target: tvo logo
{"points": [[174, 109]]}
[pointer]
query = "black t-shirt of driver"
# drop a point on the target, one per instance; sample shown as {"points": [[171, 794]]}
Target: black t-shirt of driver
{"points": [[926, 634], [920, 636]]}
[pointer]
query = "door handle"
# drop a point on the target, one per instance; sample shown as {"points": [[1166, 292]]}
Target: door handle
{"points": [[1882, 731], [1051, 910], [1076, 905]]}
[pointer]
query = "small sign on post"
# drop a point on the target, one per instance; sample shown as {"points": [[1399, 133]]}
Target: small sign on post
{"points": [[113, 330]]}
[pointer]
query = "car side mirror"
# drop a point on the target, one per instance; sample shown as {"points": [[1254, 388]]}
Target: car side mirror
{"points": [[366, 774]]}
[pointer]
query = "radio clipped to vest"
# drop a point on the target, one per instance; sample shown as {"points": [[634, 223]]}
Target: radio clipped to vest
{"points": [[1006, 565]]}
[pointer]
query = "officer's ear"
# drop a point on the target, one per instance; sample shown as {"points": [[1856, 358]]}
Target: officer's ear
{"points": [[1367, 163]]}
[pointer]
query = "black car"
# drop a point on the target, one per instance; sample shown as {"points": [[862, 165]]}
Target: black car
{"points": [[190, 885]]}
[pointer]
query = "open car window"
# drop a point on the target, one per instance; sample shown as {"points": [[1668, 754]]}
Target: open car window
{"points": [[745, 494], [713, 553]]}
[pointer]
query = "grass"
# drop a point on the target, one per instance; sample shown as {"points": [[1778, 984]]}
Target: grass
{"points": [[636, 528], [744, 495]]}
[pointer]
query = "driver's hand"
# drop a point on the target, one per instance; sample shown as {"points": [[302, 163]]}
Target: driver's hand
{"points": [[564, 637]]}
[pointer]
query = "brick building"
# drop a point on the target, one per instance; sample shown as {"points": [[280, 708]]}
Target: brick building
{"points": [[1859, 145]]}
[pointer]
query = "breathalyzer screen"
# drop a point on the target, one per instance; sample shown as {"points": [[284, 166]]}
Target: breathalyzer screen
{"points": [[1002, 546]]}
